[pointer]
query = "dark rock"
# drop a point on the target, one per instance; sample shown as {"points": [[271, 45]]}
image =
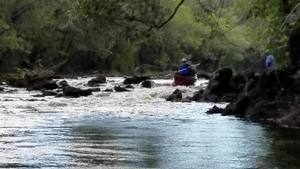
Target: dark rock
{"points": [[49, 93], [204, 75], [186, 100], [63, 83], [290, 119], [38, 95], [34, 100], [260, 111], [215, 110], [198, 96], [60, 95], [229, 97], [70, 91], [211, 98], [135, 80], [223, 87], [120, 89], [294, 46], [43, 85], [35, 83], [1, 89], [220, 82], [175, 96], [238, 107], [108, 90], [269, 98], [95, 89], [296, 84], [97, 81], [147, 84], [129, 86], [237, 83]]}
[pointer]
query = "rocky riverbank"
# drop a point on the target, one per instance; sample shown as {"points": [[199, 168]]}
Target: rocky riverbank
{"points": [[270, 97]]}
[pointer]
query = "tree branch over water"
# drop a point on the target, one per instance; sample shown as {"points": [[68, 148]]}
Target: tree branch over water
{"points": [[168, 19]]}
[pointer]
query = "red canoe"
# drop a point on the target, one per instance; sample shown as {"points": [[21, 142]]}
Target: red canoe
{"points": [[183, 80]]}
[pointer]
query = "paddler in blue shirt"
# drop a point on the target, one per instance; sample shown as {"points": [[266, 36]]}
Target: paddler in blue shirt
{"points": [[185, 68]]}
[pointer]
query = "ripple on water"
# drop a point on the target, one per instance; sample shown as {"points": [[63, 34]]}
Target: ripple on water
{"points": [[137, 129]]}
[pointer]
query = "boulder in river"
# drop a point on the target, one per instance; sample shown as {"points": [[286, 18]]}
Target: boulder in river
{"points": [[215, 110], [220, 81], [135, 79], [49, 93], [95, 89], [63, 83], [147, 84], [108, 90], [120, 89], [129, 86], [223, 86], [43, 85], [1, 89], [70, 91], [176, 96], [100, 79], [35, 83]]}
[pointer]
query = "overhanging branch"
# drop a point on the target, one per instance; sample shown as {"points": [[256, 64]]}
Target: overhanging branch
{"points": [[159, 26]]}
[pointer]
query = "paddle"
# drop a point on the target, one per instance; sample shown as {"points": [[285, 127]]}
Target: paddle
{"points": [[195, 65]]}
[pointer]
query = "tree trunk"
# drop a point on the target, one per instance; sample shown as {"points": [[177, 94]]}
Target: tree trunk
{"points": [[294, 46]]}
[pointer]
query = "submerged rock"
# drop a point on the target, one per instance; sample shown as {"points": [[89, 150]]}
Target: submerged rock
{"points": [[70, 91], [97, 81], [215, 110], [120, 89], [63, 83], [49, 93], [147, 84], [129, 86], [135, 79], [95, 89], [108, 90], [176, 96]]}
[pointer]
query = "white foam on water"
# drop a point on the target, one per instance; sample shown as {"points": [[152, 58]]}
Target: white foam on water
{"points": [[137, 101]]}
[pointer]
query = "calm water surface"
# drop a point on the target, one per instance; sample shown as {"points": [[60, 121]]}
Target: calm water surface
{"points": [[134, 130]]}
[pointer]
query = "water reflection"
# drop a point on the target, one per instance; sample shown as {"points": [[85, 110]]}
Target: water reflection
{"points": [[168, 142], [285, 148], [147, 143], [116, 143]]}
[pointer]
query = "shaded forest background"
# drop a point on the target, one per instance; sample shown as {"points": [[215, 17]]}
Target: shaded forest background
{"points": [[139, 36]]}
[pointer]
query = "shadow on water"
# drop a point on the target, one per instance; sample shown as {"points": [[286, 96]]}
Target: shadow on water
{"points": [[114, 145], [285, 147]]}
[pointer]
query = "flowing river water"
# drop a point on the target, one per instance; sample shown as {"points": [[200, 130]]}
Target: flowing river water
{"points": [[137, 129]]}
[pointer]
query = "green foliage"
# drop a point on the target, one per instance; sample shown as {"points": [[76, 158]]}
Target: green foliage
{"points": [[9, 40], [123, 34]]}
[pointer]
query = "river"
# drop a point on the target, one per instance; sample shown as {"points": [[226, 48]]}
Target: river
{"points": [[137, 129]]}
